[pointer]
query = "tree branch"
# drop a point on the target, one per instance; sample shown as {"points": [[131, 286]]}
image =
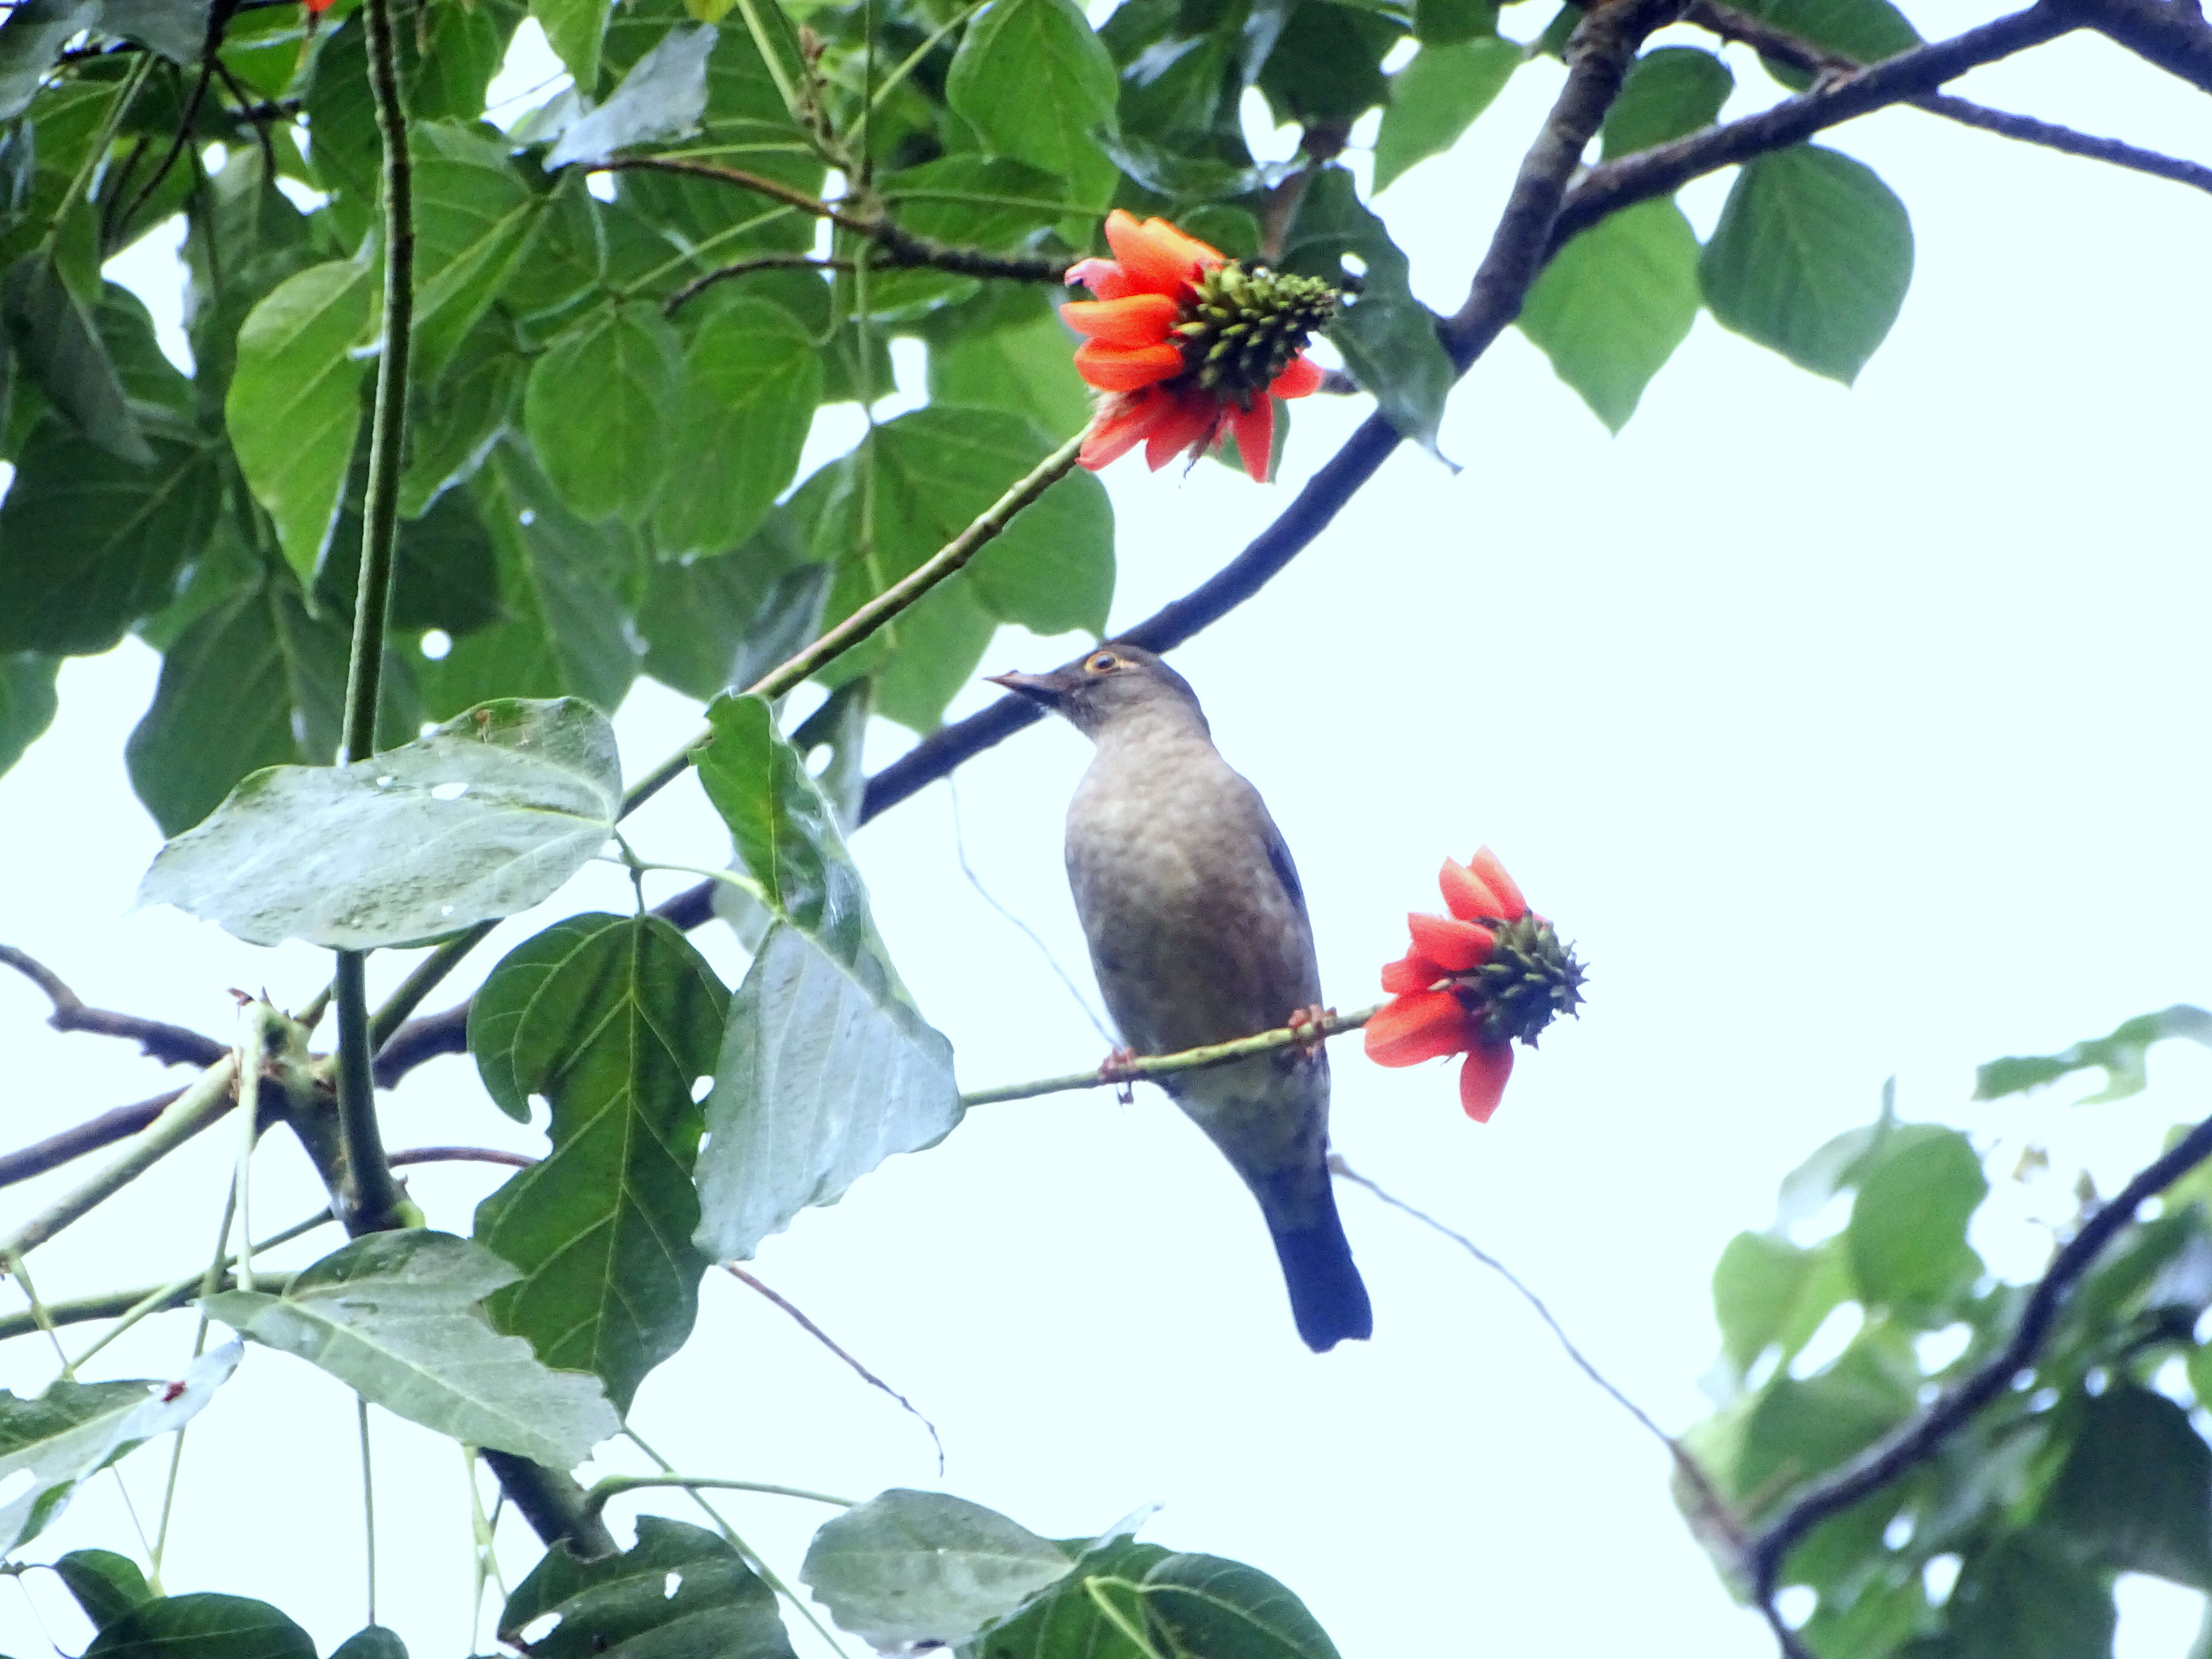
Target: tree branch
{"points": [[110, 1126], [1920, 1439], [1731, 24], [1118, 1072], [614, 1485], [2173, 36], [173, 1045], [1666, 168]]}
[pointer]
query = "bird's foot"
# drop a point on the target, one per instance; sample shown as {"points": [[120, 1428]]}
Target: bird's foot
{"points": [[1308, 1019], [1115, 1068]]}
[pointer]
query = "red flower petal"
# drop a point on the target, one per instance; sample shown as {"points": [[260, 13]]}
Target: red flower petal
{"points": [[1300, 379], [1116, 368], [1470, 897], [1420, 1025], [1105, 279], [1141, 319], [1188, 426], [1411, 972], [1121, 423], [1482, 1079], [1485, 864], [1255, 436], [1156, 257], [1453, 946]]}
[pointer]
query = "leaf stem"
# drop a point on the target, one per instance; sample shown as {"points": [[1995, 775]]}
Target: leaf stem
{"points": [[367, 1504], [183, 1118], [1114, 1072], [615, 1486]]}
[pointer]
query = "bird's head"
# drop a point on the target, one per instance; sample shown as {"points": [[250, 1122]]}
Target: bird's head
{"points": [[1114, 686]]}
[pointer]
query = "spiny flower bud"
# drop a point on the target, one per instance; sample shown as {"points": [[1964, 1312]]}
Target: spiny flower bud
{"points": [[1529, 980], [1247, 322]]}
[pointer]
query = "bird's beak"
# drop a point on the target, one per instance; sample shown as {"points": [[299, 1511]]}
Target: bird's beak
{"points": [[1047, 688]]}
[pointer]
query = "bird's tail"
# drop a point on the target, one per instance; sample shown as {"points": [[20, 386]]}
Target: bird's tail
{"points": [[1328, 1298]]}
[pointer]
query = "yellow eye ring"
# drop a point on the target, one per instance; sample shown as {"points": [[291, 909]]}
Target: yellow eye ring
{"points": [[1104, 661]]}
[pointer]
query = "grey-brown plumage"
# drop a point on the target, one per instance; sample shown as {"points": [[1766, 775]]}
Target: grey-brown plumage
{"points": [[1199, 933]]}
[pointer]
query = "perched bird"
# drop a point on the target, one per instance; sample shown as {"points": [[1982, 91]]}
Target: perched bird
{"points": [[1198, 932]]}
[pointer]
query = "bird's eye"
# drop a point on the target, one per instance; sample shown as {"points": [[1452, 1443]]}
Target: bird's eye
{"points": [[1103, 661]]}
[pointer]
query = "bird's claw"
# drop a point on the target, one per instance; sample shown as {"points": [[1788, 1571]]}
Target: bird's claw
{"points": [[1115, 1068], [1308, 1018]]}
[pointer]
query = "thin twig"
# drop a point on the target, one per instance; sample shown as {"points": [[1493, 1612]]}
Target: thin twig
{"points": [[119, 1124], [615, 1486], [173, 1045], [1731, 24], [460, 1155], [192, 1111], [691, 290], [1115, 1074], [825, 1339]]}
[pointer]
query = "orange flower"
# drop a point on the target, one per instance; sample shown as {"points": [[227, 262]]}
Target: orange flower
{"points": [[1189, 345], [1474, 980]]}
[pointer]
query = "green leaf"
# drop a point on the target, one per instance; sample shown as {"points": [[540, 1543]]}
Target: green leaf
{"points": [[62, 1437], [613, 1019], [453, 424], [394, 1316], [622, 1607], [2123, 1056], [444, 570], [202, 1627], [1670, 93], [1766, 1291], [254, 681], [662, 96], [1614, 303], [573, 28], [563, 595], [1444, 23], [64, 355], [1025, 368], [31, 37], [1811, 258], [488, 815], [373, 1641], [106, 1585], [1201, 1604], [908, 1568], [752, 376], [1436, 97], [2135, 1492], [597, 408], [1327, 64], [1865, 30], [1036, 82], [475, 220], [1064, 1620], [27, 702], [936, 470], [295, 401], [89, 543], [1392, 350], [714, 624], [826, 1069], [150, 382], [1907, 1235], [2020, 1598]]}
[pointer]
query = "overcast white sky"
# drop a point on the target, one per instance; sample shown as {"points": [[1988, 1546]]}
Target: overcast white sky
{"points": [[1850, 732]]}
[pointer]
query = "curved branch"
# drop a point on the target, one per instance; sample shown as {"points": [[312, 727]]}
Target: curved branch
{"points": [[1920, 1439], [2173, 37], [173, 1045]]}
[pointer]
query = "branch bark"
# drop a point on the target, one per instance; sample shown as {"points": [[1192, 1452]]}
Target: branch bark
{"points": [[2173, 36], [173, 1045]]}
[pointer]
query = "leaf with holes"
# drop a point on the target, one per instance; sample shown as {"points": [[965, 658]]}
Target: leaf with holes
{"points": [[395, 1317], [679, 1590], [910, 1568], [613, 1019], [826, 1068], [62, 1437], [1811, 258], [294, 400], [1613, 305], [488, 815]]}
